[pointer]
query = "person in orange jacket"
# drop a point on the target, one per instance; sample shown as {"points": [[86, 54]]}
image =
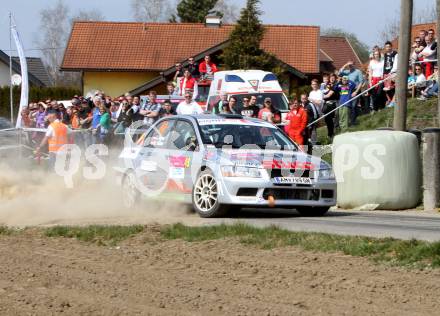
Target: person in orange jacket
{"points": [[297, 123], [56, 137]]}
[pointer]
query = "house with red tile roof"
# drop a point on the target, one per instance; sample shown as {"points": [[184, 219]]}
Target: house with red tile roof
{"points": [[415, 30], [119, 57]]}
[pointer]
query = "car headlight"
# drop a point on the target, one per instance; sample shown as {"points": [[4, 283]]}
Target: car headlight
{"points": [[240, 171], [326, 174]]}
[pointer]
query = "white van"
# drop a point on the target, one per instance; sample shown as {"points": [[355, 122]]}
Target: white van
{"points": [[241, 83]]}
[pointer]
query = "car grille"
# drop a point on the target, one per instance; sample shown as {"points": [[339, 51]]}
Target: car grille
{"points": [[274, 173], [292, 194], [327, 194], [247, 192]]}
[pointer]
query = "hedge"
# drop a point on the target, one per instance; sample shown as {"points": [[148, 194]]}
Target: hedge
{"points": [[35, 94]]}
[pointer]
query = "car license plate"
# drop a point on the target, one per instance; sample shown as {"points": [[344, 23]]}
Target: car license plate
{"points": [[294, 180]]}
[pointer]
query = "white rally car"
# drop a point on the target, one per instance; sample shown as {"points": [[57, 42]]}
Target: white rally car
{"points": [[218, 163]]}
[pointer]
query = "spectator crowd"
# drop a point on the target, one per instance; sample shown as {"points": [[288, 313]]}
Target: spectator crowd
{"points": [[101, 116]]}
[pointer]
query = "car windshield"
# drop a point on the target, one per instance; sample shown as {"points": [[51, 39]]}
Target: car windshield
{"points": [[240, 135], [278, 99]]}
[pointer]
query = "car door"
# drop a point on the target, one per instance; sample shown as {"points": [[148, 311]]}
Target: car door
{"points": [[152, 166], [183, 148]]}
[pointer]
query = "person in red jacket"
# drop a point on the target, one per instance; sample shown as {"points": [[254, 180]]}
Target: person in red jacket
{"points": [[298, 123], [207, 67]]}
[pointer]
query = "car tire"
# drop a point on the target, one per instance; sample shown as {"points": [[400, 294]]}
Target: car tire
{"points": [[312, 211], [130, 193], [205, 196]]}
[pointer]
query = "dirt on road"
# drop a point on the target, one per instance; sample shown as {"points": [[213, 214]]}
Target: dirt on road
{"points": [[148, 275]]}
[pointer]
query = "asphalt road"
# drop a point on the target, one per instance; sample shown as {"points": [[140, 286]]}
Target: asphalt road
{"points": [[401, 225]]}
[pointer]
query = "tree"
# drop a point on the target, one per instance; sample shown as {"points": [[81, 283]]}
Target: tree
{"points": [[55, 25], [83, 15], [54, 28], [359, 47], [391, 28], [243, 51], [195, 11], [151, 10]]}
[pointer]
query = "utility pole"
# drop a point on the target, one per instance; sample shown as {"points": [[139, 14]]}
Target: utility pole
{"points": [[438, 58], [406, 11], [11, 104]]}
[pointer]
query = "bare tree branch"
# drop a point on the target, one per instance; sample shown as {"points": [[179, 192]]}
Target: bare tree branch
{"points": [[151, 10], [54, 28], [83, 15], [390, 30], [55, 25]]}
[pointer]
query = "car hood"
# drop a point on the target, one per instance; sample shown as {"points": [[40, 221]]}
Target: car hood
{"points": [[267, 159]]}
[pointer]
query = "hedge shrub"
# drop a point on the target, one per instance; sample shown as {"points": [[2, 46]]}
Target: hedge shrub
{"points": [[35, 94]]}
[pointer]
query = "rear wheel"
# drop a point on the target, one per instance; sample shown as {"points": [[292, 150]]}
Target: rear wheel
{"points": [[312, 211], [130, 193], [205, 196]]}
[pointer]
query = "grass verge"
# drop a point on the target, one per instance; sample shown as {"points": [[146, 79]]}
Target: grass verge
{"points": [[420, 114], [6, 231], [101, 235], [407, 253]]}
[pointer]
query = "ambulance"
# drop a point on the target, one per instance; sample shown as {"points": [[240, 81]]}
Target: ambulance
{"points": [[241, 83]]}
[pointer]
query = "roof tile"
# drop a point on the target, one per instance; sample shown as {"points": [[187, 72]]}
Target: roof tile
{"points": [[157, 46], [339, 50]]}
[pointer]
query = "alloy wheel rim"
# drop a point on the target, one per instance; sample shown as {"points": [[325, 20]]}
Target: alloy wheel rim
{"points": [[205, 193]]}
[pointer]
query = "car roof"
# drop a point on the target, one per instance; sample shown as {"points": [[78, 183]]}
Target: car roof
{"points": [[225, 118]]}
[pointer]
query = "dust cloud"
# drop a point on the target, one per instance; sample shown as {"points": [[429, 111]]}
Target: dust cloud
{"points": [[34, 197]]}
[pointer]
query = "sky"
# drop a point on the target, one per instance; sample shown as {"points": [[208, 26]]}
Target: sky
{"points": [[363, 18]]}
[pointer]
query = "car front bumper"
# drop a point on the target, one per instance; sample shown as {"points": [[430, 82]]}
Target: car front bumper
{"points": [[256, 192]]}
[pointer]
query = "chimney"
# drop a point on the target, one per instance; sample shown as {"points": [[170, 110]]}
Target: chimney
{"points": [[213, 21]]}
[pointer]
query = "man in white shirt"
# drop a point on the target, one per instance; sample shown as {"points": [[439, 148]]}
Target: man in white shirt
{"points": [[429, 53], [316, 96], [188, 106]]}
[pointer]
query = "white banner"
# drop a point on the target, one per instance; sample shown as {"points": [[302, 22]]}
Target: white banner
{"points": [[24, 74]]}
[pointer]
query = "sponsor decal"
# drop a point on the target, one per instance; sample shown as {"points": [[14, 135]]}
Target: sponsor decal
{"points": [[176, 173], [180, 161], [234, 122], [279, 164]]}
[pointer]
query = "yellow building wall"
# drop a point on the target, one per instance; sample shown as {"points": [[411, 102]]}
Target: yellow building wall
{"points": [[115, 83]]}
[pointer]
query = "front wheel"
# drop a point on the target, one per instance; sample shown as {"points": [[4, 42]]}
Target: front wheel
{"points": [[311, 211], [205, 196]]}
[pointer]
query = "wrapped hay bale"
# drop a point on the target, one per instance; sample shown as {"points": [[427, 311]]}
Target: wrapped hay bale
{"points": [[380, 168]]}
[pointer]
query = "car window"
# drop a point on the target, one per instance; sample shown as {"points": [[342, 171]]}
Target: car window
{"points": [[157, 137], [183, 135]]}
